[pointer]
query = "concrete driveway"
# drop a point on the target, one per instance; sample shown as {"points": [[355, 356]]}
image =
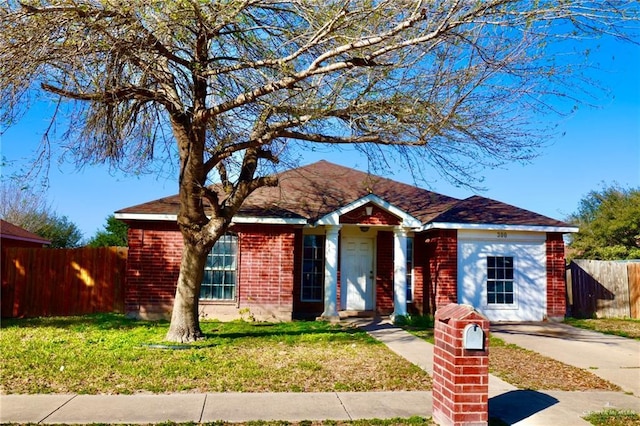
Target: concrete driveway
{"points": [[612, 358]]}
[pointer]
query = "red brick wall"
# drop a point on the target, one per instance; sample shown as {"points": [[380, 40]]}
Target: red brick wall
{"points": [[556, 287], [442, 279], [265, 276], [152, 268], [384, 273], [266, 266]]}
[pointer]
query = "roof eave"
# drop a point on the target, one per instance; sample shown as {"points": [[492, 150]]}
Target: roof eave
{"points": [[499, 227], [236, 219], [270, 220], [26, 239]]}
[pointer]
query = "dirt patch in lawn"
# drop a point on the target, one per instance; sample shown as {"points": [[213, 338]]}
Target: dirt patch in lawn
{"points": [[526, 369]]}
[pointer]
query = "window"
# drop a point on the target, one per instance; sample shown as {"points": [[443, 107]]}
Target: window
{"points": [[410, 269], [312, 268], [500, 280], [220, 271]]}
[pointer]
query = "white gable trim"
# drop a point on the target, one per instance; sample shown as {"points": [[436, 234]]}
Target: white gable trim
{"points": [[333, 218], [236, 219], [495, 227]]}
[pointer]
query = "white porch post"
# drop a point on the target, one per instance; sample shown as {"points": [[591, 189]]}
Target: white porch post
{"points": [[331, 271], [399, 272]]}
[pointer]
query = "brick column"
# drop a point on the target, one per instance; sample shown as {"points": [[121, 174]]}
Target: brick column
{"points": [[556, 285], [460, 376]]}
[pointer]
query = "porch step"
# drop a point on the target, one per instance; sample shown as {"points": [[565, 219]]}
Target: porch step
{"points": [[357, 314]]}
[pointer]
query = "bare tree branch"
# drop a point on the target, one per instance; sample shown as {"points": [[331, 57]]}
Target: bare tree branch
{"points": [[226, 90]]}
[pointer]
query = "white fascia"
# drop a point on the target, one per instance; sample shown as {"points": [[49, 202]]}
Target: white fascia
{"points": [[27, 239], [269, 220], [333, 218], [495, 227], [237, 219], [147, 216]]}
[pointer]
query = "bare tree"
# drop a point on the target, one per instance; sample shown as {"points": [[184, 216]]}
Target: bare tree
{"points": [[236, 86], [23, 207], [27, 209]]}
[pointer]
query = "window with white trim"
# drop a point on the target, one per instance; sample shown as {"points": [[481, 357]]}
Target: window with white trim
{"points": [[500, 289], [221, 270], [312, 268], [409, 269]]}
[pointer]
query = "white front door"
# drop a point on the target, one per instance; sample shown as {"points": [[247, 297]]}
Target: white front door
{"points": [[357, 274]]}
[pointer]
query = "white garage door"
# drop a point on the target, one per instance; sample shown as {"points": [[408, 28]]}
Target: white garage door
{"points": [[503, 274]]}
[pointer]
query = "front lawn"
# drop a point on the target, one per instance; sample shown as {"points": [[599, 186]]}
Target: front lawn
{"points": [[629, 328], [107, 354]]}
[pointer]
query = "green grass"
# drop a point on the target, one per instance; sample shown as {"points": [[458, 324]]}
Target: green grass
{"points": [[112, 354], [419, 325], [613, 418]]}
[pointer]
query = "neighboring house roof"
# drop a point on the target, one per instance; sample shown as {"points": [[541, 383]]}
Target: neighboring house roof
{"points": [[10, 231], [309, 193]]}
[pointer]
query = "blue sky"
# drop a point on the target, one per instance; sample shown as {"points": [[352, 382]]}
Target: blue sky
{"points": [[599, 146]]}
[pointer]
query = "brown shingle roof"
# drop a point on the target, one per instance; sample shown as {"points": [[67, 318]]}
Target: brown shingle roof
{"points": [[320, 188], [313, 191], [480, 210], [13, 232]]}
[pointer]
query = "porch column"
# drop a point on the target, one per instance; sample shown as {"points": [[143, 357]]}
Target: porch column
{"points": [[399, 272], [331, 271]]}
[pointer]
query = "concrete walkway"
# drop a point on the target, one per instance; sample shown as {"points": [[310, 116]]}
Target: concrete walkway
{"points": [[514, 406]]}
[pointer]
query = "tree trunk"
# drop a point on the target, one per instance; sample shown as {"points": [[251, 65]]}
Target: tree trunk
{"points": [[185, 322]]}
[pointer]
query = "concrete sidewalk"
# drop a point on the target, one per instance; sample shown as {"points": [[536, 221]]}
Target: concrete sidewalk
{"points": [[211, 407], [514, 406], [518, 407]]}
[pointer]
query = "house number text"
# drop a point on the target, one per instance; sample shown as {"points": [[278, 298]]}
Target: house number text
{"points": [[502, 234]]}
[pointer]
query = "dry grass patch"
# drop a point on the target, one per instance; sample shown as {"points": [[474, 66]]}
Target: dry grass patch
{"points": [[526, 369], [629, 328]]}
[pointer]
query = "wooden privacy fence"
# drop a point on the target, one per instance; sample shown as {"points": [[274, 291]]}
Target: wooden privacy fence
{"points": [[60, 282], [604, 289]]}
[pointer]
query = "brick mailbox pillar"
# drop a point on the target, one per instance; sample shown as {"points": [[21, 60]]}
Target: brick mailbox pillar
{"points": [[460, 367]]}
